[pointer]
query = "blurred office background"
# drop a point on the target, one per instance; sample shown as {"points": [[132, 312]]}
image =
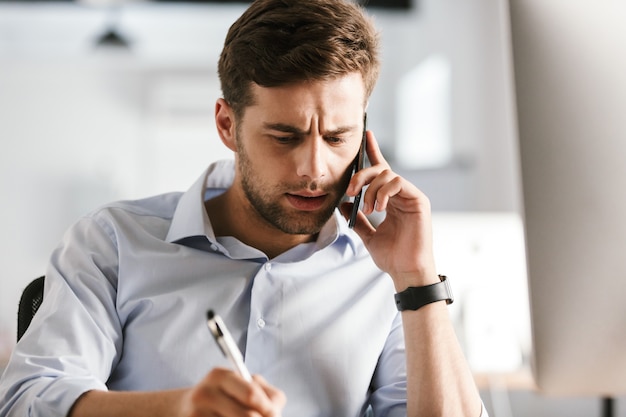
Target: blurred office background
{"points": [[103, 100]]}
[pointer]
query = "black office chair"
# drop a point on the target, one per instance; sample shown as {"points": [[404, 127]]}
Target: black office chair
{"points": [[31, 299]]}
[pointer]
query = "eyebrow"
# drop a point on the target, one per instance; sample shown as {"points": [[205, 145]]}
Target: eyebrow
{"points": [[281, 127]]}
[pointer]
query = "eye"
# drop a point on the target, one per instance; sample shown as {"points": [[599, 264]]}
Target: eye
{"points": [[334, 140], [285, 139]]}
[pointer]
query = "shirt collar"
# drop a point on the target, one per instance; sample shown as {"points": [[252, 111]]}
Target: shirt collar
{"points": [[190, 218]]}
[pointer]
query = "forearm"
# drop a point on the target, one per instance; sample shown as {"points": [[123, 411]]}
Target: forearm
{"points": [[129, 404], [439, 381], [221, 392]]}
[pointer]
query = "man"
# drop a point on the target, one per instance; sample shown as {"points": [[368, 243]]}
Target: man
{"points": [[122, 328]]}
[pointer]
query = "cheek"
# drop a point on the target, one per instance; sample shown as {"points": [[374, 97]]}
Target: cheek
{"points": [[348, 158], [346, 174], [340, 165], [342, 168]]}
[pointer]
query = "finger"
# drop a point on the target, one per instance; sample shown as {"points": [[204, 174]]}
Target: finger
{"points": [[251, 395], [377, 161], [276, 396], [373, 151], [383, 186], [208, 397], [223, 389]]}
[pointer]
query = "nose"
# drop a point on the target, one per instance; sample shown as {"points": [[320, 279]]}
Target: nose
{"points": [[312, 159]]}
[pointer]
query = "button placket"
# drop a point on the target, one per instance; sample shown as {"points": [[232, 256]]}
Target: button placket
{"points": [[262, 348], [260, 322]]}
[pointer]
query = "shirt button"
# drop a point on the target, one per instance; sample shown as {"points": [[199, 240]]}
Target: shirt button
{"points": [[268, 266], [260, 323], [213, 246]]}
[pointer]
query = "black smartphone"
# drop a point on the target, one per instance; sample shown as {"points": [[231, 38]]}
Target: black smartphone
{"points": [[357, 166]]}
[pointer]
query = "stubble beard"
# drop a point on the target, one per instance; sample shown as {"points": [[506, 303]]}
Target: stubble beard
{"points": [[262, 198]]}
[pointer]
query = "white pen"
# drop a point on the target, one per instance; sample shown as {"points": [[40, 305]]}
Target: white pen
{"points": [[227, 344]]}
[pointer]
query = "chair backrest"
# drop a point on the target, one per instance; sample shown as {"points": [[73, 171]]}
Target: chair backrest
{"points": [[31, 299]]}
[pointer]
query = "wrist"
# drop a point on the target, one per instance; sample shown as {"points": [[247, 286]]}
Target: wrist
{"points": [[402, 281], [414, 298]]}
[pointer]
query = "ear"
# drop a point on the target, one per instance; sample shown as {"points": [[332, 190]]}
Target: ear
{"points": [[225, 123]]}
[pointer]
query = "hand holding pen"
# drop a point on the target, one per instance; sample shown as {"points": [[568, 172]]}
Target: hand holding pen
{"points": [[220, 392]]}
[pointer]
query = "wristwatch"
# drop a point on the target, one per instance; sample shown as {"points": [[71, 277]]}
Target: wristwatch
{"points": [[415, 297]]}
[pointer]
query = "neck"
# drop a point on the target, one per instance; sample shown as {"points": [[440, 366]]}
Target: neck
{"points": [[233, 216]]}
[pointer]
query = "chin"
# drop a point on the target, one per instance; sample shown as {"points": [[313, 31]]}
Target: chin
{"points": [[303, 224]]}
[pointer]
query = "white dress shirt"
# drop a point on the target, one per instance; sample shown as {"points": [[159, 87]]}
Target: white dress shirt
{"points": [[125, 304]]}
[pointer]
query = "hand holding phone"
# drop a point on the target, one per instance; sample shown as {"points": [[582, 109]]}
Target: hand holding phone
{"points": [[357, 166]]}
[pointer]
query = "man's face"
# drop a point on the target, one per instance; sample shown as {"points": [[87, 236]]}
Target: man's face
{"points": [[295, 148]]}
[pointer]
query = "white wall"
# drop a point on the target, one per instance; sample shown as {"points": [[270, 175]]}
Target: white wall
{"points": [[82, 126]]}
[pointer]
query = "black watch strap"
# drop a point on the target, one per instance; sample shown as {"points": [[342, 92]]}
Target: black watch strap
{"points": [[415, 297]]}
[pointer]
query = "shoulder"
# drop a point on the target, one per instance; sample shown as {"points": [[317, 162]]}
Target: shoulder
{"points": [[151, 215], [162, 206]]}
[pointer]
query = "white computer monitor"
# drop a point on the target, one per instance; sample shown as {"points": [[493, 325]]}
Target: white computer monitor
{"points": [[569, 61]]}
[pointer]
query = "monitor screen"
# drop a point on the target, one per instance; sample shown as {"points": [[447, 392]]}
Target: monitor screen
{"points": [[569, 60]]}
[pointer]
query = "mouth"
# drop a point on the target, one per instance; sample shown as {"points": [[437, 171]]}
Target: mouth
{"points": [[307, 203]]}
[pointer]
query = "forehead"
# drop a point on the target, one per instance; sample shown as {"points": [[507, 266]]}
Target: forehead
{"points": [[334, 100]]}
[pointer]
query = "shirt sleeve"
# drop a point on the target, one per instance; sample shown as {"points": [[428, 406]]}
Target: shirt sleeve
{"points": [[389, 391], [74, 339], [388, 397]]}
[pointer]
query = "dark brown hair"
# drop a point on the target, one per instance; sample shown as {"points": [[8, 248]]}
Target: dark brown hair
{"points": [[279, 42]]}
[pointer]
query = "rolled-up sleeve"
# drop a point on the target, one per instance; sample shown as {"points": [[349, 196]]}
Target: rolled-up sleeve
{"points": [[74, 339]]}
